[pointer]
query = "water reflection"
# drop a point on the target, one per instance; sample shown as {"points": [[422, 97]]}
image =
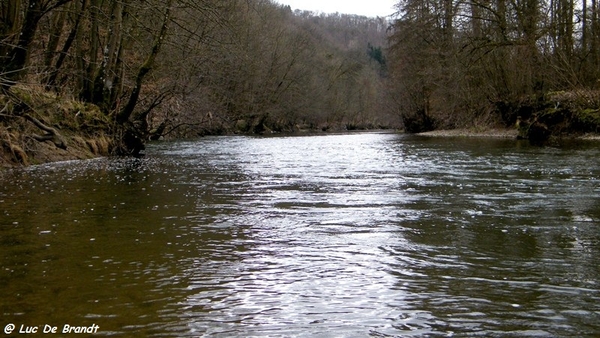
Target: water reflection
{"points": [[360, 234]]}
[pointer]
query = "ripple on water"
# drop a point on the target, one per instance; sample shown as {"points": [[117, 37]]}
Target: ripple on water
{"points": [[350, 235]]}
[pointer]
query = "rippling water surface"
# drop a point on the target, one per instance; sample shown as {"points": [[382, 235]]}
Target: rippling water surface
{"points": [[347, 235]]}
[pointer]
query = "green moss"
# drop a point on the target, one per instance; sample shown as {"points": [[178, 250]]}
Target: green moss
{"points": [[588, 120], [591, 115]]}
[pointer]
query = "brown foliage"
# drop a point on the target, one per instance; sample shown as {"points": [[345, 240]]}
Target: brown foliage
{"points": [[457, 61]]}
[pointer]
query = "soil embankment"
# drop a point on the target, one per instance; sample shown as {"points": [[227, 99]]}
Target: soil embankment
{"points": [[39, 127]]}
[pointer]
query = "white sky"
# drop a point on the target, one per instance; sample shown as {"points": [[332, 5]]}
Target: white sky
{"points": [[361, 7]]}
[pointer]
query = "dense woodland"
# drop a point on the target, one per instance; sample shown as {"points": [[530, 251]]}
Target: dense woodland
{"points": [[460, 63], [184, 68], [129, 71]]}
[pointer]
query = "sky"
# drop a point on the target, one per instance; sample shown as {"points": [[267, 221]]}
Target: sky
{"points": [[361, 7]]}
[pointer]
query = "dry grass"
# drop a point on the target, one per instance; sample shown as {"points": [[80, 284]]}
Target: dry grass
{"points": [[83, 125]]}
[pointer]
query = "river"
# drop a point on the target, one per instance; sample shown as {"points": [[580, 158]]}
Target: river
{"points": [[338, 235]]}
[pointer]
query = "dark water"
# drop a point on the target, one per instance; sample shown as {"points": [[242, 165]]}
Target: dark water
{"points": [[341, 235]]}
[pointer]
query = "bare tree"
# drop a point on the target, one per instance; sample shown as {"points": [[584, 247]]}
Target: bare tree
{"points": [[16, 57]]}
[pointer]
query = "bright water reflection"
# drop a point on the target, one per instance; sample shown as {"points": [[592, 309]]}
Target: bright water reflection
{"points": [[345, 235]]}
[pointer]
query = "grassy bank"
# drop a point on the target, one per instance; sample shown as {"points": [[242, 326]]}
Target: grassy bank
{"points": [[39, 127]]}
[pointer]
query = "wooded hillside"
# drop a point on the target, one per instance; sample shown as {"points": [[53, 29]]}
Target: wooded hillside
{"points": [[184, 68]]}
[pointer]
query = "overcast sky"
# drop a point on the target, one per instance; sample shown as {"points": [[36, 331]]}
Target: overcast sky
{"points": [[360, 7]]}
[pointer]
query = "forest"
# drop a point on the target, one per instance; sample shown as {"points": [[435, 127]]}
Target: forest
{"points": [[110, 75], [465, 63]]}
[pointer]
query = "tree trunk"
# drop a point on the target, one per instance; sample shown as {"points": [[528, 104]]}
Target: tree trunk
{"points": [[57, 24], [89, 70], [584, 27], [476, 29], [53, 71], [448, 23], [595, 37], [10, 20], [135, 132], [104, 75], [14, 68]]}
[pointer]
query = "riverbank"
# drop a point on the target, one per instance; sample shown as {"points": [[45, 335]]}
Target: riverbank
{"points": [[39, 127], [503, 133], [495, 133]]}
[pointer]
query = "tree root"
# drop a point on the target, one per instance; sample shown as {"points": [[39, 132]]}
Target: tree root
{"points": [[50, 135]]}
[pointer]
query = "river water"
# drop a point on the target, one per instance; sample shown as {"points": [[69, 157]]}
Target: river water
{"points": [[347, 235]]}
